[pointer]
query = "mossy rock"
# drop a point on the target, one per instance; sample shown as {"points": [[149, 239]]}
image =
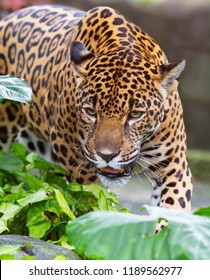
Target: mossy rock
{"points": [[39, 249]]}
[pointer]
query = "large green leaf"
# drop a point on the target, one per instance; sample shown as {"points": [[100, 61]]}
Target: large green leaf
{"points": [[15, 89], [113, 235], [40, 195]]}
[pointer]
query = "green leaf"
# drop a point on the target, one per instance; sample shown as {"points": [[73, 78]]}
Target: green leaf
{"points": [[9, 249], [28, 258], [31, 198], [114, 235], [39, 230], [19, 150], [7, 257], [94, 189], [34, 182], [10, 162], [3, 226], [14, 189], [63, 204], [203, 212], [36, 162], [102, 202], [53, 207], [9, 211], [60, 257], [35, 215], [39, 221], [63, 242], [12, 88]]}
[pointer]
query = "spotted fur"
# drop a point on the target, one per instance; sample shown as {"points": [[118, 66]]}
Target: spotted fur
{"points": [[105, 99]]}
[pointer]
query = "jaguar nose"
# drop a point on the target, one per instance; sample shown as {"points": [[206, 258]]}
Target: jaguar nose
{"points": [[107, 157]]}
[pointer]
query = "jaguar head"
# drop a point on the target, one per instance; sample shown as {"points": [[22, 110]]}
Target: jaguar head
{"points": [[120, 102]]}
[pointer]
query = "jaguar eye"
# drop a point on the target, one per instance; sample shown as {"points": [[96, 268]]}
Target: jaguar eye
{"points": [[90, 112], [136, 114]]}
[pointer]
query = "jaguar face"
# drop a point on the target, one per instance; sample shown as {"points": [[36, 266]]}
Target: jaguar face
{"points": [[117, 107], [114, 133]]}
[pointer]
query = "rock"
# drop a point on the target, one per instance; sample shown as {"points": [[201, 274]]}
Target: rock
{"points": [[40, 249]]}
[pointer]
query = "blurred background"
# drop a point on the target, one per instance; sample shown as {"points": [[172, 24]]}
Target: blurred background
{"points": [[182, 28]]}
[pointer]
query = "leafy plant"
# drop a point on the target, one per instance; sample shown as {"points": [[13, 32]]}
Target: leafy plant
{"points": [[15, 89], [123, 236], [39, 203]]}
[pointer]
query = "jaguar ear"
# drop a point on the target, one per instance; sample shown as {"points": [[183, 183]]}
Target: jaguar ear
{"points": [[169, 73], [80, 57]]}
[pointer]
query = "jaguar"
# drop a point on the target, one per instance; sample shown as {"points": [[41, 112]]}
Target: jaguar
{"points": [[105, 99]]}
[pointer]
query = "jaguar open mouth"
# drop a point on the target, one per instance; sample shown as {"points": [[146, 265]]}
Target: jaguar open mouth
{"points": [[115, 173]]}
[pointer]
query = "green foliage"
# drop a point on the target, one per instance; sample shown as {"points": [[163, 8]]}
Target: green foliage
{"points": [[15, 89], [117, 236], [203, 212], [37, 200]]}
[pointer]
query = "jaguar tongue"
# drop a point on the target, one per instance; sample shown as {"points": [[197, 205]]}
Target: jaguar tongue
{"points": [[111, 170], [115, 173]]}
